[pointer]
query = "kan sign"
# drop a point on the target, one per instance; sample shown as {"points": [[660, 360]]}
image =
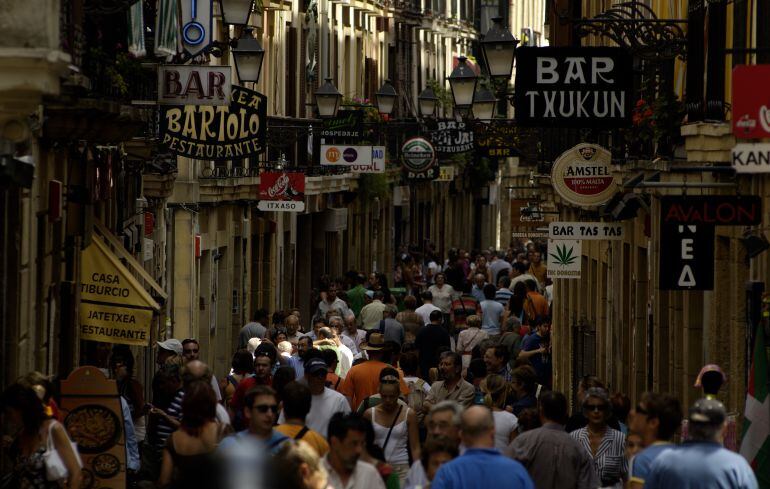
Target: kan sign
{"points": [[751, 106], [751, 158], [573, 86], [194, 85], [583, 175], [281, 191]]}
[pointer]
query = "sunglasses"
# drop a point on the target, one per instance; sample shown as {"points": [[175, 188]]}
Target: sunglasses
{"points": [[264, 408], [594, 407]]}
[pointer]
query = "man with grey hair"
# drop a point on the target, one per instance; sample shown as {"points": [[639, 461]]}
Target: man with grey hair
{"points": [[453, 387], [443, 421], [392, 329], [351, 331], [702, 461], [497, 265], [338, 326], [197, 371], [328, 338], [481, 466]]}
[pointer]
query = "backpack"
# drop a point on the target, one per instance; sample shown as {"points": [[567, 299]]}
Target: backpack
{"points": [[416, 397]]}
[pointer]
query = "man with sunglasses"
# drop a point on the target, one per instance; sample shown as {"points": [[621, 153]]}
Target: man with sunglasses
{"points": [[655, 419], [190, 352]]}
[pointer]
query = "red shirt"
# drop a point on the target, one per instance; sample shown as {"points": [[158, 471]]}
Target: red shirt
{"points": [[239, 397]]}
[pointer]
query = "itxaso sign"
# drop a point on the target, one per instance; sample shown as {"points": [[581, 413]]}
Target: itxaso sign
{"points": [[564, 258], [751, 106], [204, 132], [567, 86], [281, 191], [419, 159], [582, 175]]}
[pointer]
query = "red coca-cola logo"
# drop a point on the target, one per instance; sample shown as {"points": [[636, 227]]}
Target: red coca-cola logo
{"points": [[280, 186]]}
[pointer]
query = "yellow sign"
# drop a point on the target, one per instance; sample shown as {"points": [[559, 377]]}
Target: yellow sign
{"points": [[114, 307], [446, 174]]}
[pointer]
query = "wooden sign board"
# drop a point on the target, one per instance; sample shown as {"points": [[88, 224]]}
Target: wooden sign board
{"points": [[94, 420]]}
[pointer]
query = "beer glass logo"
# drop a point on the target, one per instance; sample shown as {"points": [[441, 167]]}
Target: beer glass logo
{"points": [[418, 154]]}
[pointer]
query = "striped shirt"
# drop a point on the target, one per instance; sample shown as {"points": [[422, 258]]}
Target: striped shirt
{"points": [[503, 295], [165, 428], [610, 460]]}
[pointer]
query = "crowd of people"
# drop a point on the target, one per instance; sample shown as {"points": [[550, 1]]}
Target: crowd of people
{"points": [[442, 381]]}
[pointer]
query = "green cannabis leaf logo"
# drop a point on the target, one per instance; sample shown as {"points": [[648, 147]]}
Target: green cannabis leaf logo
{"points": [[564, 256]]}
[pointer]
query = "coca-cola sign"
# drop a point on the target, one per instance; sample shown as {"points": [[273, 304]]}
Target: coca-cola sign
{"points": [[282, 191], [583, 175]]}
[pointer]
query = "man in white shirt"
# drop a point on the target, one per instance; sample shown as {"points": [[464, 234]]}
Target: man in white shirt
{"points": [[347, 441], [326, 402], [427, 307], [331, 302]]}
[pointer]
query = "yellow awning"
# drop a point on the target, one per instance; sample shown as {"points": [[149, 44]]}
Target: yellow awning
{"points": [[114, 306]]}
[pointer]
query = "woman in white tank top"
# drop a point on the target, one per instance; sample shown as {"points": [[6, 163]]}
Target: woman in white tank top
{"points": [[404, 437]]}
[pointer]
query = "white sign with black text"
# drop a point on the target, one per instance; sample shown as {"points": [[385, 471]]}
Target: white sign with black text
{"points": [[194, 85], [564, 258], [586, 230], [751, 158]]}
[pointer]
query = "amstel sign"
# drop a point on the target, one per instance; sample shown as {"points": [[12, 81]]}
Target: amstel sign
{"points": [[583, 176]]}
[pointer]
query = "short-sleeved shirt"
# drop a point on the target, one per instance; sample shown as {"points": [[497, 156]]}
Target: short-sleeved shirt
{"points": [[540, 362], [700, 465], [442, 297], [491, 313], [482, 468], [610, 459], [312, 438], [463, 393], [640, 467], [251, 330], [363, 380]]}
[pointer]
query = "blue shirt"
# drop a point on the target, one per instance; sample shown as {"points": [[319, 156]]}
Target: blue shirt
{"points": [[503, 296], [541, 362], [700, 465], [482, 468], [491, 312], [132, 448], [640, 466], [478, 293]]}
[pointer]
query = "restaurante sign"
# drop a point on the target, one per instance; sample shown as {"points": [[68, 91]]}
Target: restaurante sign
{"points": [[568, 86], [217, 133]]}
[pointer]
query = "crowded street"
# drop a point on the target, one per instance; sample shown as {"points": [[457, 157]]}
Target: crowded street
{"points": [[384, 244]]}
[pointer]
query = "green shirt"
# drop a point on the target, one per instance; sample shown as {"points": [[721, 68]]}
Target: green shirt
{"points": [[356, 298]]}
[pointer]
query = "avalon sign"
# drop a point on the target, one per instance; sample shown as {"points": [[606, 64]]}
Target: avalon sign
{"points": [[582, 175], [720, 210], [751, 158], [585, 230], [217, 133], [567, 86], [194, 85]]}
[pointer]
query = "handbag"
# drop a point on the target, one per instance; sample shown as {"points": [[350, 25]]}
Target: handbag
{"points": [[54, 465]]}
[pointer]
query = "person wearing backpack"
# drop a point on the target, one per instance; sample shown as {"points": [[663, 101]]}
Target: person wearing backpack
{"points": [[296, 398]]}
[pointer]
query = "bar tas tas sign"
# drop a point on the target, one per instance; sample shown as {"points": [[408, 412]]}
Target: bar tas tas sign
{"points": [[573, 87], [203, 132]]}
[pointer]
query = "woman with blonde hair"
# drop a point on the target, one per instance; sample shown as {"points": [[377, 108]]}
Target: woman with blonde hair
{"points": [[496, 390]]}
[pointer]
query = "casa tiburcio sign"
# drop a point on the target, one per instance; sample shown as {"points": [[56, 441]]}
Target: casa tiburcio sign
{"points": [[203, 132], [583, 175], [751, 106], [573, 86], [281, 191], [419, 159], [194, 85]]}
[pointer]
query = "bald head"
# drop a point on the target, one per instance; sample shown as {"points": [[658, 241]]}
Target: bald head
{"points": [[477, 427], [196, 370]]}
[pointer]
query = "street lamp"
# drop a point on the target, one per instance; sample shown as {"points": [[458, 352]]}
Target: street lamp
{"points": [[499, 48], [484, 102], [462, 81], [327, 99], [427, 100], [236, 11], [248, 55], [386, 98]]}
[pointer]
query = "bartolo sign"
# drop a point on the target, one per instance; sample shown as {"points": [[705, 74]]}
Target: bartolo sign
{"points": [[217, 133], [281, 191], [566, 86], [751, 158], [582, 175], [194, 85], [419, 159]]}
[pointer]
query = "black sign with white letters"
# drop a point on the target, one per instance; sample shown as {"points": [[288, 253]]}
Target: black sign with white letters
{"points": [[573, 86], [686, 257]]}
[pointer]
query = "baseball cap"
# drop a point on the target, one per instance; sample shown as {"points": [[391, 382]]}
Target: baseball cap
{"points": [[708, 411], [171, 344], [315, 365]]}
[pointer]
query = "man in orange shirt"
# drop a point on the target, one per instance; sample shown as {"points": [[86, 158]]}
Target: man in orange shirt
{"points": [[538, 303], [363, 380]]}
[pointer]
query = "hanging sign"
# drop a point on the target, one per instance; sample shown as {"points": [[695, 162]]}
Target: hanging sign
{"points": [[751, 107], [522, 216], [419, 159], [376, 166], [194, 85], [338, 155], [713, 210], [451, 137], [573, 86], [446, 173], [586, 230], [346, 126], [686, 256], [281, 191], [197, 25], [564, 258], [93, 418], [114, 307], [495, 139], [583, 176], [203, 132], [751, 158]]}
